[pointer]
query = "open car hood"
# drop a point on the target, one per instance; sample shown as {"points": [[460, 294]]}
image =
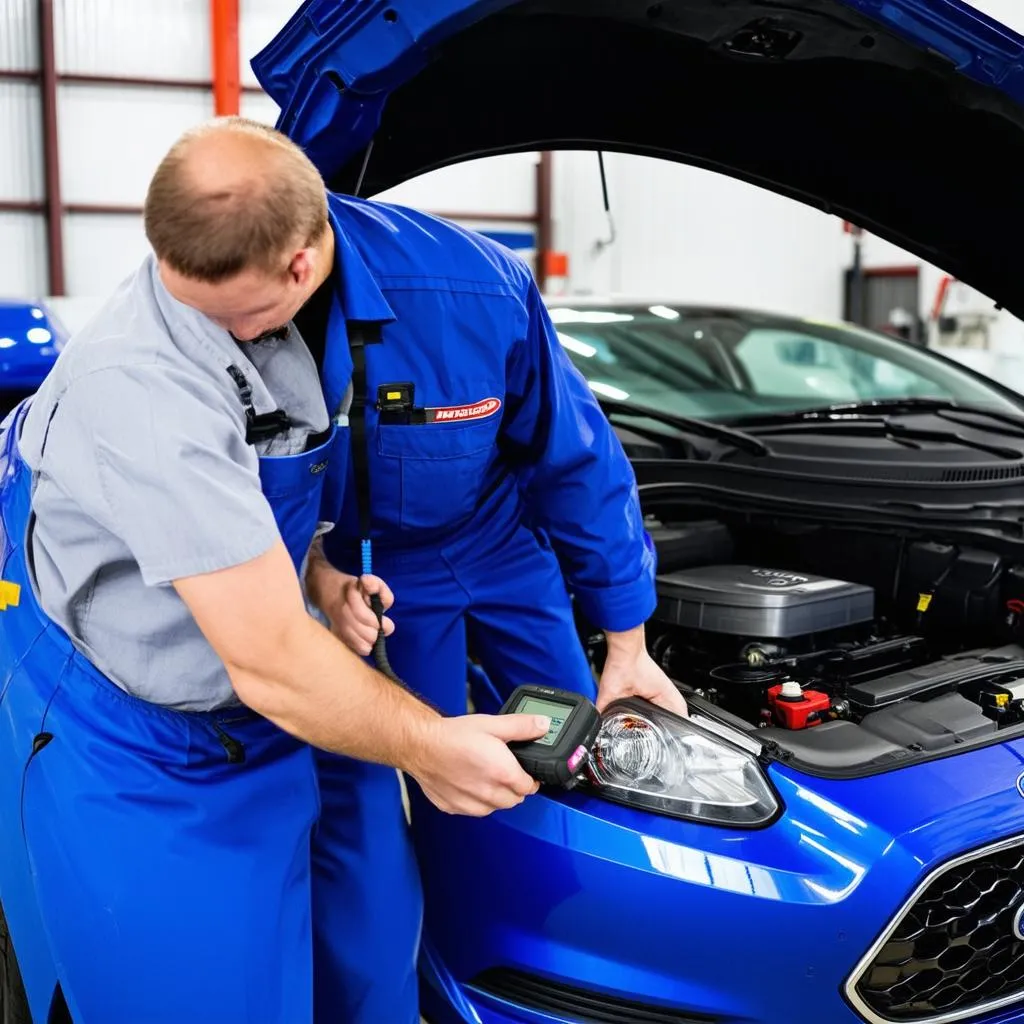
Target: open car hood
{"points": [[903, 116]]}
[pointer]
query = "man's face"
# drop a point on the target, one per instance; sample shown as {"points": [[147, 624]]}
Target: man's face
{"points": [[253, 304]]}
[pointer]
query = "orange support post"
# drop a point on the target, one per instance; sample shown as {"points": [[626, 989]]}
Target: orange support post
{"points": [[227, 79]]}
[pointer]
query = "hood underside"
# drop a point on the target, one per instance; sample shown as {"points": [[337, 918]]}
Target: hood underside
{"points": [[911, 129]]}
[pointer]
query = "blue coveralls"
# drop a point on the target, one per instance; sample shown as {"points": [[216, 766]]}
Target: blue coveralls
{"points": [[284, 886], [167, 867], [508, 486]]}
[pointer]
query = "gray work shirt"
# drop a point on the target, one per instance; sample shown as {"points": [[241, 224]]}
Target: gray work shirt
{"points": [[142, 475]]}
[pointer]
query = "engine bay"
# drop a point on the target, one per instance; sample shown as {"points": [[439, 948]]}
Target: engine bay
{"points": [[847, 651]]}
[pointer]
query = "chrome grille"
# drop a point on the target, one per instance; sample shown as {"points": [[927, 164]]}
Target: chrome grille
{"points": [[956, 949]]}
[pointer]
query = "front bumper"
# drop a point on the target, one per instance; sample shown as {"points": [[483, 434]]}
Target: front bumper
{"points": [[686, 922]]}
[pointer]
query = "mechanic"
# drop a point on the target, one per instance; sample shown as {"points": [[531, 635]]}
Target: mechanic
{"points": [[174, 720], [497, 487]]}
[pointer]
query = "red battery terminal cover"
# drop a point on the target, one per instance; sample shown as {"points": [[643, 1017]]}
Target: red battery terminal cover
{"points": [[795, 708]]}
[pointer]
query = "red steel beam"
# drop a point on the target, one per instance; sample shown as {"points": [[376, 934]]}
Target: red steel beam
{"points": [[227, 78], [51, 150]]}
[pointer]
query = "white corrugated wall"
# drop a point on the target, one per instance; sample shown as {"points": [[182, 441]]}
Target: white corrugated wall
{"points": [[22, 235], [1004, 358], [169, 39], [674, 239], [18, 41], [111, 136]]}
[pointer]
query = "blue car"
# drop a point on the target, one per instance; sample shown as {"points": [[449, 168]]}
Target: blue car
{"points": [[837, 835], [31, 338]]}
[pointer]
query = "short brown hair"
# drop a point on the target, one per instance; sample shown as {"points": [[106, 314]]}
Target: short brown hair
{"points": [[237, 204]]}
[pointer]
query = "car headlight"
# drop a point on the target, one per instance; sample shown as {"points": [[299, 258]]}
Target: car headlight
{"points": [[685, 767]]}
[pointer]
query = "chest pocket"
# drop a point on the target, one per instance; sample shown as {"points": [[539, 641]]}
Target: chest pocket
{"points": [[433, 475]]}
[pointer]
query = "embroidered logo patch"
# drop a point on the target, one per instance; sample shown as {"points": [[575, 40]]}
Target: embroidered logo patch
{"points": [[458, 413]]}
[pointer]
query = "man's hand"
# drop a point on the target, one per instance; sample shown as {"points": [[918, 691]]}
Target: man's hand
{"points": [[345, 600], [286, 666], [467, 768], [629, 671]]}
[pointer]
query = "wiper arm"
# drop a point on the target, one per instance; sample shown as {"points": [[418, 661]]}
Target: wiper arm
{"points": [[893, 407], [703, 428], [897, 431]]}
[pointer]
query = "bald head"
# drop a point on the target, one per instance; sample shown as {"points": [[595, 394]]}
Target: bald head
{"points": [[231, 195]]}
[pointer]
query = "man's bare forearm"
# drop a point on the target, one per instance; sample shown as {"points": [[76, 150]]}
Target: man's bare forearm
{"points": [[288, 667], [318, 690], [318, 572]]}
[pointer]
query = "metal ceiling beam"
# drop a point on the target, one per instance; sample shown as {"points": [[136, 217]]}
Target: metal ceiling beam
{"points": [[82, 78], [545, 220], [21, 206], [54, 206]]}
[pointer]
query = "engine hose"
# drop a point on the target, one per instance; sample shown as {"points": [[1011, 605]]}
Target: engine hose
{"points": [[380, 647]]}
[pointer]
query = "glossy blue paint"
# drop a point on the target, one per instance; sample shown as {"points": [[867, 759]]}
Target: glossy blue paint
{"points": [[980, 47], [514, 240], [371, 46], [758, 926], [30, 340]]}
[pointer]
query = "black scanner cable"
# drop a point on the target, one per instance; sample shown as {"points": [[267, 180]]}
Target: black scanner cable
{"points": [[361, 335]]}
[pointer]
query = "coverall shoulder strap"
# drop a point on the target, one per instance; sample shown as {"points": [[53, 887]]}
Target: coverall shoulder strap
{"points": [[260, 427], [361, 334]]}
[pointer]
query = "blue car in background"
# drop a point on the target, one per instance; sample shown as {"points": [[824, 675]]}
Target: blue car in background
{"points": [[31, 338], [837, 834]]}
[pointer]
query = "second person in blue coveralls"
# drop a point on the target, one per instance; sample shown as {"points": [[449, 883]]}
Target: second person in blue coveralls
{"points": [[495, 480], [499, 491]]}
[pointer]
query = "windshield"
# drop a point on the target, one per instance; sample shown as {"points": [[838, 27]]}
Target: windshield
{"points": [[730, 365]]}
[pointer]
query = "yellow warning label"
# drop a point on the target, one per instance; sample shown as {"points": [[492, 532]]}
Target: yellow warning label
{"points": [[923, 601], [10, 594], [393, 396], [1002, 699]]}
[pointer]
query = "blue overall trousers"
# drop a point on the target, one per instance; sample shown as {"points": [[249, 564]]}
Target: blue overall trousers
{"points": [[492, 588], [165, 867]]}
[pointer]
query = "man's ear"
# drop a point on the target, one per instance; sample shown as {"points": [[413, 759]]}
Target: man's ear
{"points": [[302, 267]]}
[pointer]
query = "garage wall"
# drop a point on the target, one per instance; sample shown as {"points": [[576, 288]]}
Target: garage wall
{"points": [[686, 234], [111, 136], [1004, 357], [691, 235], [1009, 12], [681, 233], [22, 263]]}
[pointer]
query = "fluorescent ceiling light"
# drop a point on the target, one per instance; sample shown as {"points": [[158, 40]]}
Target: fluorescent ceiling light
{"points": [[589, 316], [664, 312], [581, 348], [608, 391]]}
